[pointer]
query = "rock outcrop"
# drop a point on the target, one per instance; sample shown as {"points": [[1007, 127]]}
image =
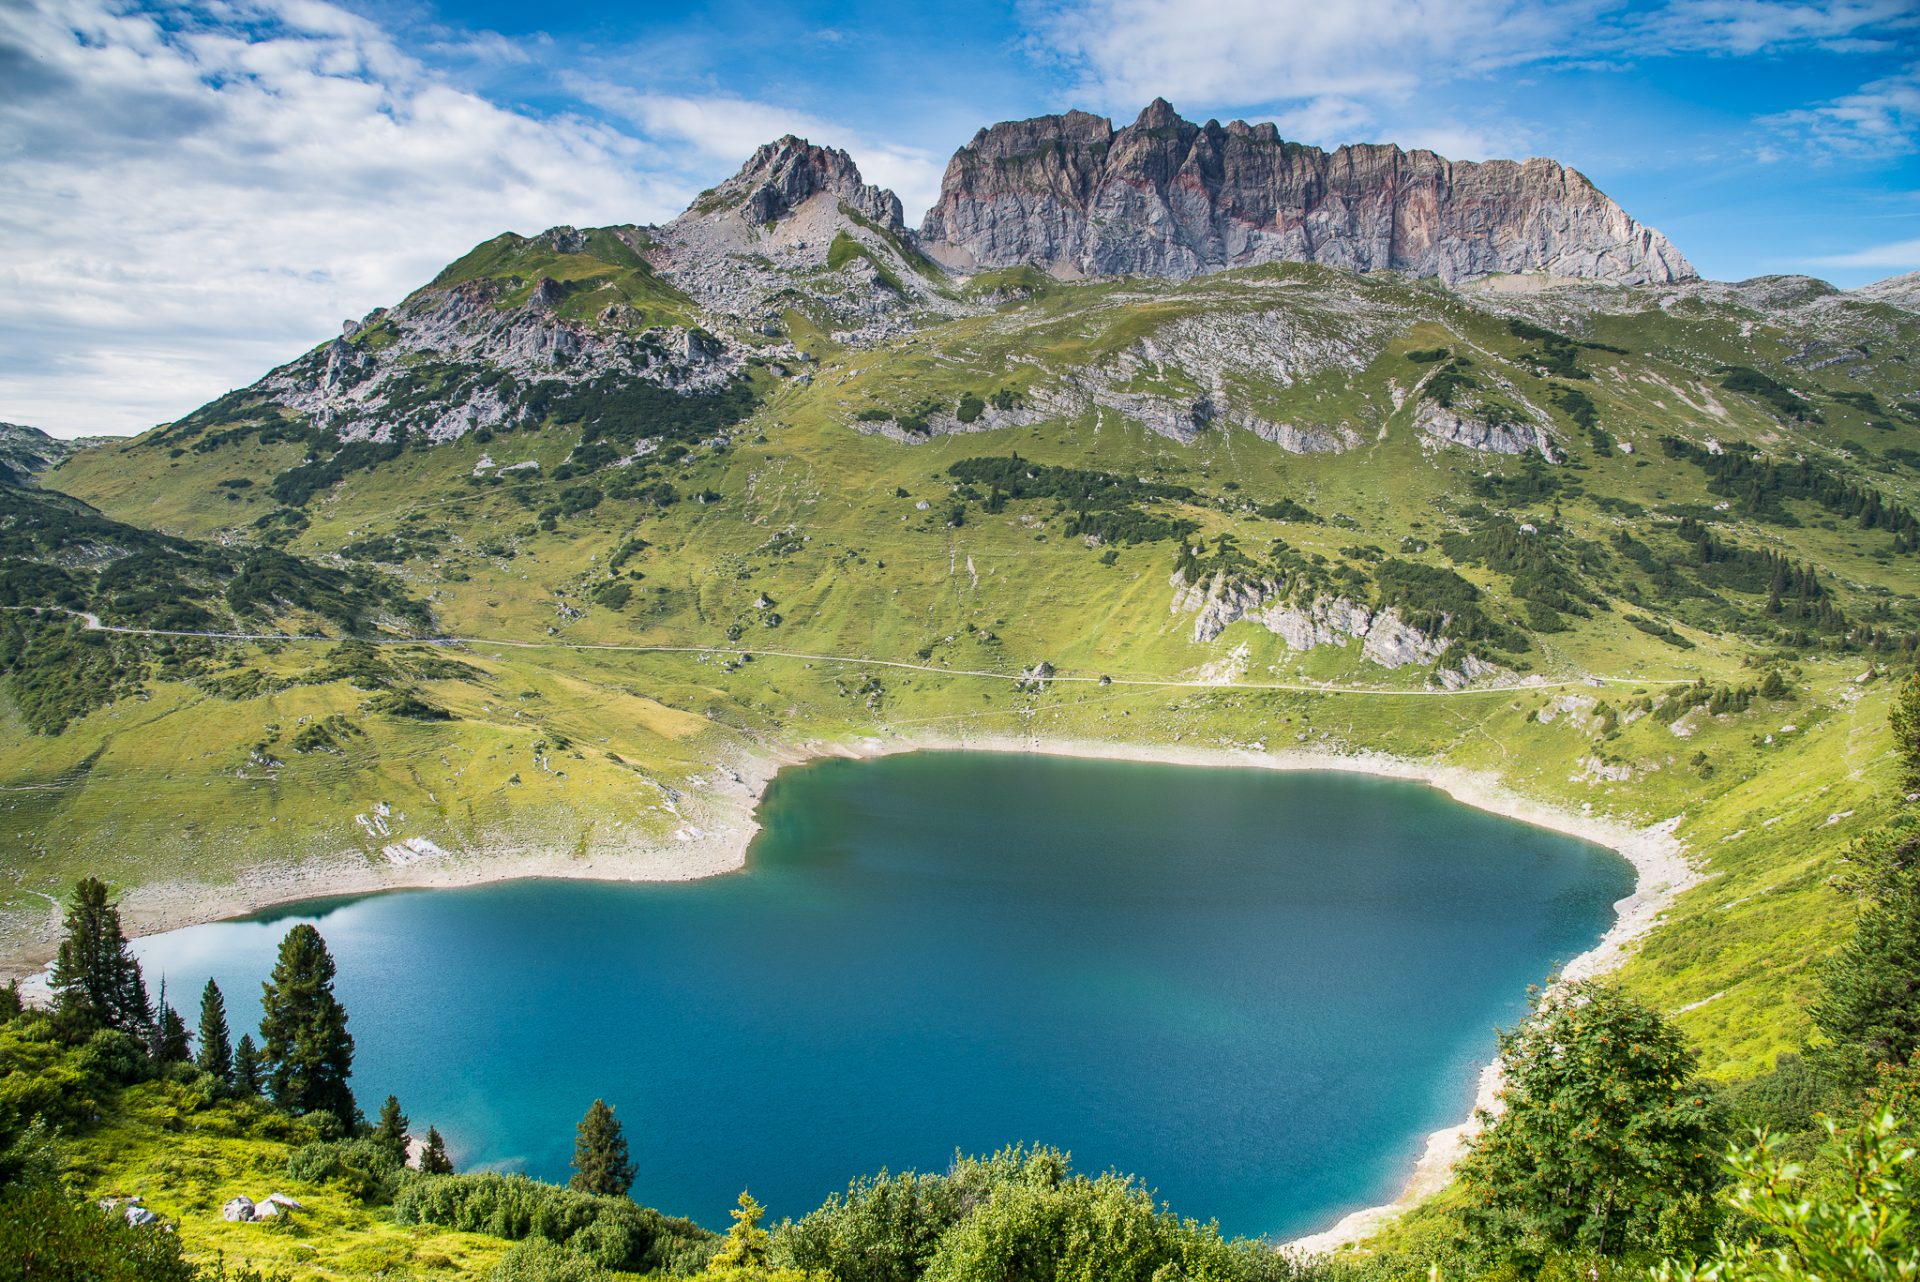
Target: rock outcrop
{"points": [[1901, 291], [786, 173], [1166, 197]]}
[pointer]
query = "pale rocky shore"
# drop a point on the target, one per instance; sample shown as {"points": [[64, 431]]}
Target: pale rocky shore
{"points": [[720, 846]]}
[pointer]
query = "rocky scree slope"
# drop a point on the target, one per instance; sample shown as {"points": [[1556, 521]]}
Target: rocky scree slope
{"points": [[1164, 196]]}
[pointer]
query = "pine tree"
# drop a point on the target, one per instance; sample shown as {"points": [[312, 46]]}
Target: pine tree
{"points": [[391, 1131], [247, 1077], [1606, 1146], [96, 980], [1905, 720], [433, 1158], [10, 1004], [307, 1050], [1870, 1003], [216, 1050], [167, 1041], [600, 1162], [745, 1247]]}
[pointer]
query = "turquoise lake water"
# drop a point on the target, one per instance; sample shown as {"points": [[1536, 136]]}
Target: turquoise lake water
{"points": [[1257, 990]]}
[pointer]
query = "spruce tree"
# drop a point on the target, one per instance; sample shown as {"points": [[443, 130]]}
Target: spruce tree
{"points": [[1904, 719], [307, 1051], [1870, 1003], [96, 980], [248, 1081], [167, 1041], [600, 1162], [10, 1004], [216, 1050], [433, 1157], [391, 1131]]}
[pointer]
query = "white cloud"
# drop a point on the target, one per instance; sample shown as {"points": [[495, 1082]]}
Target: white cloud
{"points": [[1755, 26], [1900, 255], [189, 201], [1255, 52], [1879, 120], [727, 130]]}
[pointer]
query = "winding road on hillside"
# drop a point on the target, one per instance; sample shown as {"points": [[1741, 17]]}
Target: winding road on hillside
{"points": [[93, 624]]}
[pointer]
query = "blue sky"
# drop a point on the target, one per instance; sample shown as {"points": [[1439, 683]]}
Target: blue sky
{"points": [[199, 190]]}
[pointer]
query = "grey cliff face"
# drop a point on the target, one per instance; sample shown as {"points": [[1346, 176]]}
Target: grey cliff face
{"points": [[1166, 197], [784, 174]]}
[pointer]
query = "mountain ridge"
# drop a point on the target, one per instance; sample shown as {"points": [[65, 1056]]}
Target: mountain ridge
{"points": [[1163, 196]]}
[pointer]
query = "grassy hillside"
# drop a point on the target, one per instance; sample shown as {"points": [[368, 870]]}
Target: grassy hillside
{"points": [[882, 540]]}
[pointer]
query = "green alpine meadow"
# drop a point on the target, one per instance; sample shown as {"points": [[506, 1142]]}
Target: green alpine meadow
{"points": [[1217, 709]]}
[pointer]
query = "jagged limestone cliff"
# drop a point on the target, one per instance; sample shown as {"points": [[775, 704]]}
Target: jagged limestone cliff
{"points": [[1167, 197]]}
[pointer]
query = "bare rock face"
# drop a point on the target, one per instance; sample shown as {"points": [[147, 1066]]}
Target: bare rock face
{"points": [[784, 174], [1901, 291], [1166, 197]]}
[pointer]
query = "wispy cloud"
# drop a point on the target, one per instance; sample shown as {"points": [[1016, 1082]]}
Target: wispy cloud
{"points": [[727, 129], [191, 198], [1896, 256], [1880, 119]]}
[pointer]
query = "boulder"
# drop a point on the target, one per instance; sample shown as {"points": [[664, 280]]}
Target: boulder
{"points": [[238, 1211]]}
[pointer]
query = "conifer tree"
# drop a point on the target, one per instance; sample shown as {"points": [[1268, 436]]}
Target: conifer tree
{"points": [[10, 1004], [433, 1158], [306, 1049], [600, 1162], [1905, 722], [216, 1049], [248, 1080], [167, 1041], [96, 980], [391, 1131], [745, 1247]]}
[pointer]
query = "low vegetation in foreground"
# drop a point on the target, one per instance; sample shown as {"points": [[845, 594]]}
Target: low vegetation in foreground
{"points": [[127, 1144]]}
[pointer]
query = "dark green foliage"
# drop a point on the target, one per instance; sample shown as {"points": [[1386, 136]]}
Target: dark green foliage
{"points": [[1019, 1216], [613, 595], [1783, 1101], [1429, 355], [390, 1132], [1445, 384], [1758, 485], [96, 979], [1576, 405], [367, 1168], [249, 1076], [1794, 591], [167, 1041], [1607, 1146], [1869, 1005], [626, 411], [306, 1048], [394, 703], [1904, 720], [1440, 603], [1287, 510], [1533, 482], [1075, 487], [600, 1164], [612, 1231], [885, 1229], [1782, 399], [433, 1155], [297, 484], [970, 408], [329, 734], [50, 1235], [1537, 561], [136, 578], [1557, 353]]}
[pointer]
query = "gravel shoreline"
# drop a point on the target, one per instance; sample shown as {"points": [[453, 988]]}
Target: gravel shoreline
{"points": [[720, 843]]}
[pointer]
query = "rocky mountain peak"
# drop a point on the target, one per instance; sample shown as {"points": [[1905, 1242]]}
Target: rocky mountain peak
{"points": [[785, 174], [1167, 197]]}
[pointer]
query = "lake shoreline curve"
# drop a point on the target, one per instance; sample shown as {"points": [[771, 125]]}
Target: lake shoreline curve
{"points": [[719, 847]]}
